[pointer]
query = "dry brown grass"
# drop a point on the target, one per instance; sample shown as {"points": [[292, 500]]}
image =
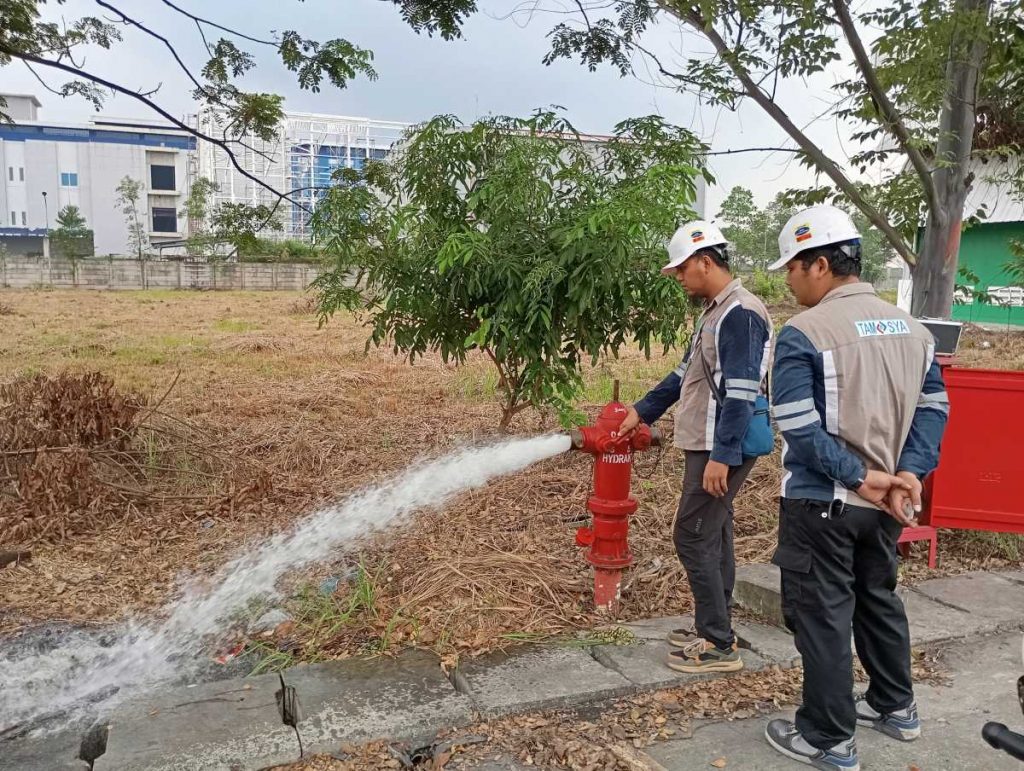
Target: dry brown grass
{"points": [[280, 400], [991, 349]]}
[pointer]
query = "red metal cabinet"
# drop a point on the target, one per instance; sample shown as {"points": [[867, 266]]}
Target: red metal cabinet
{"points": [[979, 484]]}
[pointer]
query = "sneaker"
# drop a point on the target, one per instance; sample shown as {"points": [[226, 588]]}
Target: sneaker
{"points": [[784, 737], [903, 724], [702, 656], [683, 636]]}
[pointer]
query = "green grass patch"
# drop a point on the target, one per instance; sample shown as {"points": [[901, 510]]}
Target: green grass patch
{"points": [[55, 339], [235, 325], [147, 296], [476, 383], [635, 378], [144, 355], [160, 349], [1003, 546], [320, 618], [269, 658]]}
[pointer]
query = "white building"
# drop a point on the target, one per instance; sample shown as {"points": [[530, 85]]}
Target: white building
{"points": [[47, 166], [301, 157]]}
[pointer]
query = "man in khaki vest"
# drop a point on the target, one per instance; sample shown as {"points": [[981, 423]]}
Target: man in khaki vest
{"points": [[860, 402], [730, 348]]}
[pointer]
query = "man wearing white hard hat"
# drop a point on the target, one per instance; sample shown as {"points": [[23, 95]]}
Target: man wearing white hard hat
{"points": [[717, 385], [859, 400]]}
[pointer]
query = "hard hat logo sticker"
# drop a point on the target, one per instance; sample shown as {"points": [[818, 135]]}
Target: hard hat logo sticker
{"points": [[697, 236], [803, 233]]}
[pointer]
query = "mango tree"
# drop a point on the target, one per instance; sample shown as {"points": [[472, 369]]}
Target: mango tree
{"points": [[518, 238]]}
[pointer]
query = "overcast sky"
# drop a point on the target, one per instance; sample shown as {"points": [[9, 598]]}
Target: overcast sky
{"points": [[496, 69]]}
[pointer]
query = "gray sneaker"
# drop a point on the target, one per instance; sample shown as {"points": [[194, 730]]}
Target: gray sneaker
{"points": [[701, 656], [683, 636], [783, 736], [903, 724]]}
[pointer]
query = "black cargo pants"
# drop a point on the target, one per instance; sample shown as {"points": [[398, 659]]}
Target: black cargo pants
{"points": [[702, 534], [839, 570]]}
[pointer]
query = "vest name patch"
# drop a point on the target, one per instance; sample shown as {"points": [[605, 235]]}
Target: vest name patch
{"points": [[876, 327]]}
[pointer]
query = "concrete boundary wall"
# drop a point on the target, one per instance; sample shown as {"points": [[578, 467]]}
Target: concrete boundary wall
{"points": [[93, 273]]}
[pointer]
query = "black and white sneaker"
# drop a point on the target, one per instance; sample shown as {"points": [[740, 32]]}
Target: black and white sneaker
{"points": [[784, 737], [903, 724]]}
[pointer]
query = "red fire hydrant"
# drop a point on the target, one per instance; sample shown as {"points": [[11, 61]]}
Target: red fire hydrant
{"points": [[611, 502]]}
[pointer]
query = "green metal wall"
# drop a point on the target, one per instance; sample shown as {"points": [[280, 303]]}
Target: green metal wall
{"points": [[985, 249]]}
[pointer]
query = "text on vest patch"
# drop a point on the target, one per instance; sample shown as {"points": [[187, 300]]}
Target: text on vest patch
{"points": [[875, 327]]}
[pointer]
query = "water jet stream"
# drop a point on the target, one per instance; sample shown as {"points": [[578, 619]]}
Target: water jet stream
{"points": [[62, 682]]}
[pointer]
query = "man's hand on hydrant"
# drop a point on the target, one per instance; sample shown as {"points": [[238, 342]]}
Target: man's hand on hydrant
{"points": [[716, 478], [629, 423]]}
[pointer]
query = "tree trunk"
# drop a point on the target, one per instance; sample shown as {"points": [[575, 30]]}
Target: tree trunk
{"points": [[935, 272], [507, 414]]}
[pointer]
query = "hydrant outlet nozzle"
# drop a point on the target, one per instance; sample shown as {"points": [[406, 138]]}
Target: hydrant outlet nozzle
{"points": [[577, 439]]}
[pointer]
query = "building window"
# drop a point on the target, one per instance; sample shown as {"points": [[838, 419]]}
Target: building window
{"points": [[14, 219], [68, 179], [10, 173], [21, 173], [24, 220], [165, 220], [161, 177]]}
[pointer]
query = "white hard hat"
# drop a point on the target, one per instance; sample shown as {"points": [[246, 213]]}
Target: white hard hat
{"points": [[813, 227], [690, 239]]}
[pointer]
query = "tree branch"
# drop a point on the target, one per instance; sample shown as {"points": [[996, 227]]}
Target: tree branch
{"points": [[811, 150], [202, 35], [42, 82], [890, 115], [672, 75], [211, 96], [125, 19], [583, 11], [215, 25], [24, 56], [755, 150]]}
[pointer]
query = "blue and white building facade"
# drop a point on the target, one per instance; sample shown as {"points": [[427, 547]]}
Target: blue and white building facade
{"points": [[81, 165], [305, 151]]}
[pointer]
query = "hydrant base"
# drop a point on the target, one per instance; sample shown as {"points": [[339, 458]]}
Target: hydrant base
{"points": [[607, 585]]}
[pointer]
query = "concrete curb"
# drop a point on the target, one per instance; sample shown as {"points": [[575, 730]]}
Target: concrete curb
{"points": [[939, 609], [256, 722]]}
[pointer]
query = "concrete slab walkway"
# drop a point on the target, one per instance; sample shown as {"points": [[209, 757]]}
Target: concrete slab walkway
{"points": [[983, 687]]}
